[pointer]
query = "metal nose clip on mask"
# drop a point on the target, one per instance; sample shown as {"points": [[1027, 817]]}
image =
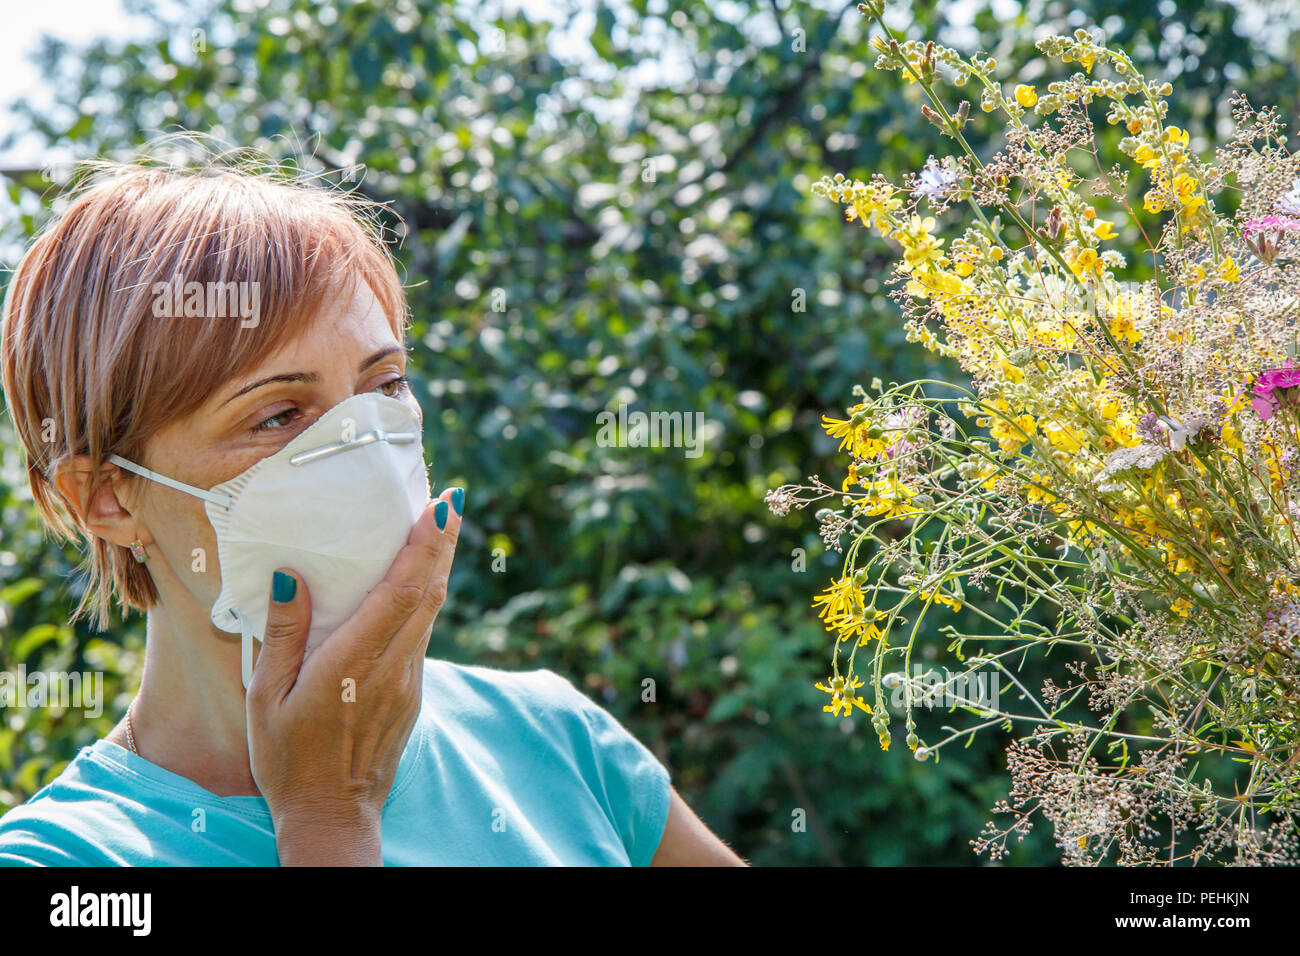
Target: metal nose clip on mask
{"points": [[335, 504]]}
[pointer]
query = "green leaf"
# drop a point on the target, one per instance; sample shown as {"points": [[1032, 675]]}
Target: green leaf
{"points": [[36, 637]]}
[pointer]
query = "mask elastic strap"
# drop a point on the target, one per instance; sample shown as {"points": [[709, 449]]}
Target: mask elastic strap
{"points": [[216, 497]]}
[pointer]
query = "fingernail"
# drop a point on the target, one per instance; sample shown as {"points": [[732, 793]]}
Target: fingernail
{"points": [[440, 515], [458, 500], [283, 588]]}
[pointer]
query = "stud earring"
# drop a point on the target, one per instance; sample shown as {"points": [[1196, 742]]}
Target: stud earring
{"points": [[138, 552]]}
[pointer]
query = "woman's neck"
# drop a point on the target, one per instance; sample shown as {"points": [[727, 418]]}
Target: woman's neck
{"points": [[188, 717]]}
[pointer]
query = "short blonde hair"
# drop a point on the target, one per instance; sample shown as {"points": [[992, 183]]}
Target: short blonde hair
{"points": [[88, 366]]}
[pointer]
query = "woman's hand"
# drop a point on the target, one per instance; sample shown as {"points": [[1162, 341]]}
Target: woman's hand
{"points": [[326, 733]]}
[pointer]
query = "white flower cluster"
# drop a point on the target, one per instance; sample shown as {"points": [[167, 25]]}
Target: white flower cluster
{"points": [[1121, 459], [935, 181], [1290, 203], [1145, 455]]}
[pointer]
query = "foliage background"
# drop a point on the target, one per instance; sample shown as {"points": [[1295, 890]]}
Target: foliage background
{"points": [[515, 156]]}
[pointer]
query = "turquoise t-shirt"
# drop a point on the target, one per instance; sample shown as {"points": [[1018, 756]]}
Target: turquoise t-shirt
{"points": [[503, 768]]}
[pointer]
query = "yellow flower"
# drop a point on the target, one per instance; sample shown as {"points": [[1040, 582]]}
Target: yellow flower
{"points": [[889, 497], [1147, 156], [936, 282], [1107, 405], [920, 249], [1184, 186], [986, 475], [1083, 261], [1104, 229], [1152, 202], [1026, 95], [1176, 136], [1056, 332], [850, 479], [842, 695], [1181, 606], [1034, 490], [1228, 271], [1062, 436], [941, 598], [841, 598], [1123, 433], [1008, 434], [1088, 59], [1192, 212], [838, 428], [1228, 435], [854, 437], [871, 204], [1122, 326]]}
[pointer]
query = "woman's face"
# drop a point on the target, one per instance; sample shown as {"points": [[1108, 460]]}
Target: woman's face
{"points": [[348, 348]]}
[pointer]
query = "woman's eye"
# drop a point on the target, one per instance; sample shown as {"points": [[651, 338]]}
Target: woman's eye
{"points": [[269, 424], [392, 388]]}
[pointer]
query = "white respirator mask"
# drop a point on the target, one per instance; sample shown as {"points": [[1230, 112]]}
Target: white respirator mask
{"points": [[335, 505]]}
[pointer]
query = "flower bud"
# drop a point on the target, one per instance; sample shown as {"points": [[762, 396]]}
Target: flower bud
{"points": [[921, 753], [891, 681]]}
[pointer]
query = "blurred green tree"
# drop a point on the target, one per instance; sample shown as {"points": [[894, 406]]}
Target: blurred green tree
{"points": [[607, 208]]}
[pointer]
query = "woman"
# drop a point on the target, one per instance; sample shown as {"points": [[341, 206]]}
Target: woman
{"points": [[206, 369]]}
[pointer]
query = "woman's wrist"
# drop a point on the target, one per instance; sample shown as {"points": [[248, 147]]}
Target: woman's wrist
{"points": [[348, 838]]}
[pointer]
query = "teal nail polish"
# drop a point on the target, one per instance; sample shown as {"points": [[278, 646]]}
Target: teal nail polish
{"points": [[440, 514], [458, 500], [283, 588]]}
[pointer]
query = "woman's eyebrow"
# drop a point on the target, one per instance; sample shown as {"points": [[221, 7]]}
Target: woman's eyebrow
{"points": [[310, 377]]}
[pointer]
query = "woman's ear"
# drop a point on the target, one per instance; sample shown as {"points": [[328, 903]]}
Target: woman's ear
{"points": [[103, 514]]}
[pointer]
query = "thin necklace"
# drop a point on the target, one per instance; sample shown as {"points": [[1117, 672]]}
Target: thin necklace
{"points": [[130, 737]]}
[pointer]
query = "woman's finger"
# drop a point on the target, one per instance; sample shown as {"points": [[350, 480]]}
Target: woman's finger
{"points": [[288, 621], [412, 639]]}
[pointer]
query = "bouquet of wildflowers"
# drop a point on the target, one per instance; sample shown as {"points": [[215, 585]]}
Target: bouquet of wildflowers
{"points": [[1119, 481]]}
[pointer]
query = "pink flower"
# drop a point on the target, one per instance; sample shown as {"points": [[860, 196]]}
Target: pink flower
{"points": [[1272, 380], [1264, 234], [1270, 222], [1283, 377], [903, 419]]}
